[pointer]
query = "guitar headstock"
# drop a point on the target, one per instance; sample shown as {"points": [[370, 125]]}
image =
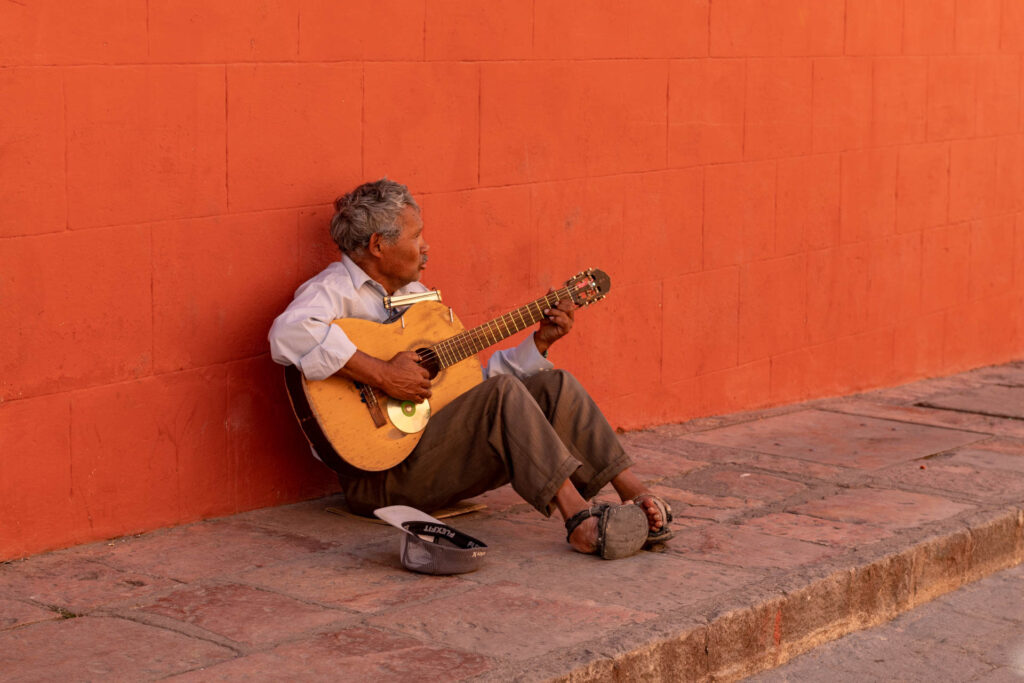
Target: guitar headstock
{"points": [[589, 286]]}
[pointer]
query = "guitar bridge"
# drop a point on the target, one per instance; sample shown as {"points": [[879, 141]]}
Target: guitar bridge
{"points": [[372, 401]]}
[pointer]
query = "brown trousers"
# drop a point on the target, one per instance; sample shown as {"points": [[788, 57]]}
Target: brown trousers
{"points": [[534, 434]]}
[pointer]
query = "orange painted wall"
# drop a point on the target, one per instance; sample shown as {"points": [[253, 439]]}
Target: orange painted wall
{"points": [[794, 198]]}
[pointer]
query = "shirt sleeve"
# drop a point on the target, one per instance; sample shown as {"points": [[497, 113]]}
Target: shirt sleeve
{"points": [[521, 361], [303, 335]]}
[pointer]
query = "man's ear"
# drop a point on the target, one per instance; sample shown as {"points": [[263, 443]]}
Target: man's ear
{"points": [[374, 246]]}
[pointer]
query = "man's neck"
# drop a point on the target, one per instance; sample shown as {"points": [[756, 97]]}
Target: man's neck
{"points": [[369, 267]]}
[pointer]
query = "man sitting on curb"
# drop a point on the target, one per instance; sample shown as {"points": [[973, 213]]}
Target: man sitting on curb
{"points": [[527, 424]]}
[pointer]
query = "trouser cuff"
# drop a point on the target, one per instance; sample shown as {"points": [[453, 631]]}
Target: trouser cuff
{"points": [[599, 480]]}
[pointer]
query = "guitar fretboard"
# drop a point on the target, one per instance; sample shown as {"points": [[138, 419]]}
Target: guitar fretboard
{"points": [[465, 344]]}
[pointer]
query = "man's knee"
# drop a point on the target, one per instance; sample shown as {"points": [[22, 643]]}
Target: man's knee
{"points": [[505, 387], [556, 382], [502, 383]]}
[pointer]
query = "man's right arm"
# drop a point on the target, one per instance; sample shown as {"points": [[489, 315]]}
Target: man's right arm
{"points": [[303, 336], [401, 377]]}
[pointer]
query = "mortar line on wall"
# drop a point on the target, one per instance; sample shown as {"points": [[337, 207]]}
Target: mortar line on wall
{"points": [[298, 244], [362, 121], [709, 29], [872, 123], [955, 12], [71, 452], [739, 307], [775, 213], [499, 186], [531, 270], [533, 29], [703, 215], [149, 39], [227, 133], [479, 121], [746, 79], [1002, 25], [977, 92], [152, 301], [927, 94], [298, 31], [129, 380], [814, 69], [807, 301], [668, 100], [423, 55], [896, 193], [846, 13], [232, 454], [903, 28], [360, 62], [64, 107]]}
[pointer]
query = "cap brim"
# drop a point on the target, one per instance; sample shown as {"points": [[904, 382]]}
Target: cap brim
{"points": [[397, 515]]}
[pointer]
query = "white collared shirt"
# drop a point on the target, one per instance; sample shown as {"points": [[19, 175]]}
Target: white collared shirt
{"points": [[304, 336]]}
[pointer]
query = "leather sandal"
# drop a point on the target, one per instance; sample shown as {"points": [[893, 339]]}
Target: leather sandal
{"points": [[621, 532], [664, 533]]}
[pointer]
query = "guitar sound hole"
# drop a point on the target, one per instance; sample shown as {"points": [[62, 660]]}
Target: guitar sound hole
{"points": [[428, 361]]}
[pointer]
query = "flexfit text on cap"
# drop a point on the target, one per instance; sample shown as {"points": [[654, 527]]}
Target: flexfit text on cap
{"points": [[429, 546]]}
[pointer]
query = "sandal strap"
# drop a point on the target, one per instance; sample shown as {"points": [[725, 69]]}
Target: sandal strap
{"points": [[582, 516], [664, 508]]}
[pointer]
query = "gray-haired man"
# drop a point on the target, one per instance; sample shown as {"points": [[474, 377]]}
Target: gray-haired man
{"points": [[527, 424]]}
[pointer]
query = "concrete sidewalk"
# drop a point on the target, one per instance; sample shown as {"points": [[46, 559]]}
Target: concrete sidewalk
{"points": [[794, 526]]}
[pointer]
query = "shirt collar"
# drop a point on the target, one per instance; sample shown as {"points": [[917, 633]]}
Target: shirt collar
{"points": [[358, 275]]}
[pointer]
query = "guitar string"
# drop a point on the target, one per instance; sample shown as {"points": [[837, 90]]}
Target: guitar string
{"points": [[470, 341], [466, 343]]}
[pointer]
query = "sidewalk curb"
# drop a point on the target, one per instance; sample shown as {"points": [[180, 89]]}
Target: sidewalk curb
{"points": [[748, 639]]}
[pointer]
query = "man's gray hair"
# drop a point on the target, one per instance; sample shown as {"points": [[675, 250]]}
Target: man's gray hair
{"points": [[371, 207]]}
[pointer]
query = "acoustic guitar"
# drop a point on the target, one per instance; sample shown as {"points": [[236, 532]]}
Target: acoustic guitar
{"points": [[356, 427]]}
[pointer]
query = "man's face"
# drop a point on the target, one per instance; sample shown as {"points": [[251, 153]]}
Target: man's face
{"points": [[403, 261]]}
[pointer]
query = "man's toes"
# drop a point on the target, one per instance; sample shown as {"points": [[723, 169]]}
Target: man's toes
{"points": [[653, 515]]}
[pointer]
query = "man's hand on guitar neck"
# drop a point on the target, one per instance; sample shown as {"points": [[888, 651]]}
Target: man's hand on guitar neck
{"points": [[556, 324], [402, 377]]}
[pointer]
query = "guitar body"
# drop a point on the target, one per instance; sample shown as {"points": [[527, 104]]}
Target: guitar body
{"points": [[335, 414], [334, 411]]}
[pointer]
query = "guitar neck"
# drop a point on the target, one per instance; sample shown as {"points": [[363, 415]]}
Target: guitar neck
{"points": [[467, 343]]}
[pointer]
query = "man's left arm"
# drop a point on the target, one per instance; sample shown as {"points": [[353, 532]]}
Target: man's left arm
{"points": [[530, 357]]}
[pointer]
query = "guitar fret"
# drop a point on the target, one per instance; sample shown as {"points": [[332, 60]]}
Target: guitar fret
{"points": [[540, 311], [461, 349], [468, 342]]}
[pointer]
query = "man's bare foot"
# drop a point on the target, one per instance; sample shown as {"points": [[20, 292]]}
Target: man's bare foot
{"points": [[584, 537], [629, 487], [650, 508]]}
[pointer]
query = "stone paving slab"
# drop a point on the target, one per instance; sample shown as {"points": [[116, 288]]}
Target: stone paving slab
{"points": [[835, 439], [14, 613], [794, 526], [101, 649], [997, 401]]}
